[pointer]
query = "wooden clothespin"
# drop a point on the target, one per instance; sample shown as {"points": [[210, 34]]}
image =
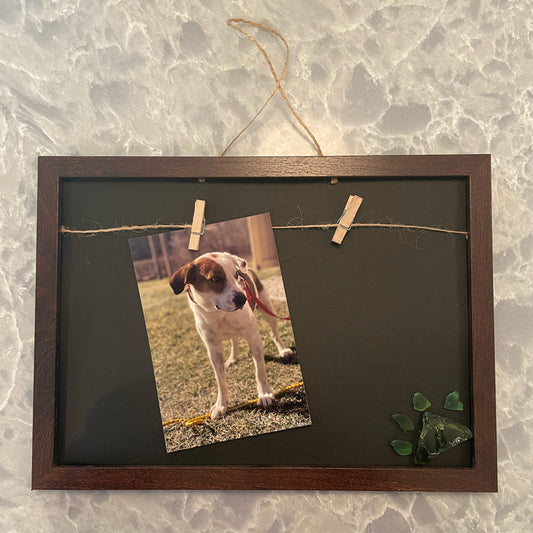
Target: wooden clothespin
{"points": [[334, 180], [344, 224], [198, 224]]}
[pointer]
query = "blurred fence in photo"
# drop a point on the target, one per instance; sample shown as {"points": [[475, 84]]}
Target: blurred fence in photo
{"points": [[158, 256]]}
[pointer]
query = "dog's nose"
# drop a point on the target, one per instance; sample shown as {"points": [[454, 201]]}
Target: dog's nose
{"points": [[239, 299]]}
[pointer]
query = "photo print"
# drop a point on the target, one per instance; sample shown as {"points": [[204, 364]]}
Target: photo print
{"points": [[221, 341]]}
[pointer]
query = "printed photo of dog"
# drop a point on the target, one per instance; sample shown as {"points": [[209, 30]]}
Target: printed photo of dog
{"points": [[220, 335]]}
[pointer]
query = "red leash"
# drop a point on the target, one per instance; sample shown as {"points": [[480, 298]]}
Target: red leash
{"points": [[253, 298]]}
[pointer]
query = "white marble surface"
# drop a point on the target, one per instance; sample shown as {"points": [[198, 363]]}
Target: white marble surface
{"points": [[170, 78]]}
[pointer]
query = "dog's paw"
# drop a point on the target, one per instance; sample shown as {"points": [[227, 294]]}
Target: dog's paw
{"points": [[287, 354], [265, 399], [218, 411]]}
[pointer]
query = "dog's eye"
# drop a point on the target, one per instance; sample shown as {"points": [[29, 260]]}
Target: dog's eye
{"points": [[215, 279]]}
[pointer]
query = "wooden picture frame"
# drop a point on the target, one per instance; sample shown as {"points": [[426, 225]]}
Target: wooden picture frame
{"points": [[50, 473]]}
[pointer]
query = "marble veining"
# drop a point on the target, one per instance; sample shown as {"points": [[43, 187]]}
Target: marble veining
{"points": [[170, 78]]}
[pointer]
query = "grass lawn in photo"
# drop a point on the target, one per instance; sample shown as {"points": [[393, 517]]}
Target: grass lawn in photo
{"points": [[186, 382]]}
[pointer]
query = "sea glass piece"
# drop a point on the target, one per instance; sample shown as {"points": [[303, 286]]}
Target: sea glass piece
{"points": [[403, 421], [452, 402], [420, 402], [402, 447], [438, 435]]}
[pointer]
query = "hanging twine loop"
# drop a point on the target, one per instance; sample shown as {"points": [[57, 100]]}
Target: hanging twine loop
{"points": [[235, 24]]}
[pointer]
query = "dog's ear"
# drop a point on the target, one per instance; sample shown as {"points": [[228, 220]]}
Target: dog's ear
{"points": [[182, 276], [241, 263]]}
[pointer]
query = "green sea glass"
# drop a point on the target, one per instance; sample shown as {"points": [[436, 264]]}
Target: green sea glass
{"points": [[403, 421], [438, 435], [452, 402], [402, 447], [420, 402]]}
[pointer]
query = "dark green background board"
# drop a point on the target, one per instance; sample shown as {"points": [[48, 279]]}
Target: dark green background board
{"points": [[376, 319]]}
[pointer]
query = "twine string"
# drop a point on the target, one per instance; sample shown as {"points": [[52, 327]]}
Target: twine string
{"points": [[234, 23], [120, 229]]}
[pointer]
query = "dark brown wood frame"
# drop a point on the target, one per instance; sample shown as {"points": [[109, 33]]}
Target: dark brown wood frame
{"points": [[482, 476]]}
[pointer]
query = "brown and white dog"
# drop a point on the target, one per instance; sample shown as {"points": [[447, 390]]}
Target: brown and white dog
{"points": [[214, 284]]}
